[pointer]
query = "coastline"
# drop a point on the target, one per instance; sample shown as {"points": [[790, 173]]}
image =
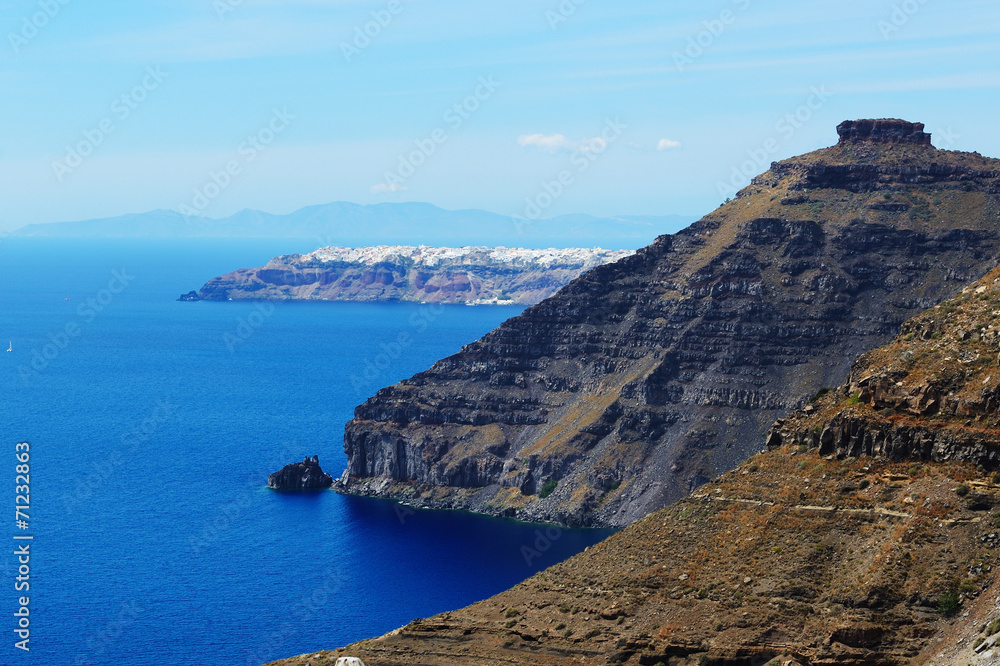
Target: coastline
{"points": [[478, 501]]}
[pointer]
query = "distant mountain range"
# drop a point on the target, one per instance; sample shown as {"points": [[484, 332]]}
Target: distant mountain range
{"points": [[349, 224]]}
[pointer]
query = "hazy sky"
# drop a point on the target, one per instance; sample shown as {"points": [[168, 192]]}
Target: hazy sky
{"points": [[645, 107]]}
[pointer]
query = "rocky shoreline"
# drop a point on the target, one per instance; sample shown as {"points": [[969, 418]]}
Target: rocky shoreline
{"points": [[474, 500]]}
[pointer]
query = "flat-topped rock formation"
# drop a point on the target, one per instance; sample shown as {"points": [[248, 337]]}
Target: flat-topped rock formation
{"points": [[883, 131], [469, 275], [643, 379]]}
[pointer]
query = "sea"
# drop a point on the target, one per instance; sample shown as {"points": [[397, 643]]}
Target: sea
{"points": [[151, 426]]}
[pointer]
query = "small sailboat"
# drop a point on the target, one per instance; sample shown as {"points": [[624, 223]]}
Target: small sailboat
{"points": [[10, 347]]}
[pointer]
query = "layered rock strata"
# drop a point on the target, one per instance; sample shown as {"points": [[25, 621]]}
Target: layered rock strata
{"points": [[933, 394]]}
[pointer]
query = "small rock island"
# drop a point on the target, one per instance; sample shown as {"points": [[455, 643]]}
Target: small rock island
{"points": [[306, 475]]}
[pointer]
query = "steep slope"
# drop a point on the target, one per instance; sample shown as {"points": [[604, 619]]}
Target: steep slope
{"points": [[474, 275], [804, 554], [642, 379]]}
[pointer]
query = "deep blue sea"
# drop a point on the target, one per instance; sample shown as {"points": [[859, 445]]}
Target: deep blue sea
{"points": [[153, 425]]}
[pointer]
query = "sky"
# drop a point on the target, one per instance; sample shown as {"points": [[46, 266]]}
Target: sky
{"points": [[537, 107]]}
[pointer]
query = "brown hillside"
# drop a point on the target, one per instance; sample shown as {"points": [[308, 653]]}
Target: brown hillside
{"points": [[824, 561]]}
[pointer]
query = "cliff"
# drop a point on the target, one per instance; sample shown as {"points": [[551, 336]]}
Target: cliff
{"points": [[931, 395], [854, 549], [643, 379], [474, 275]]}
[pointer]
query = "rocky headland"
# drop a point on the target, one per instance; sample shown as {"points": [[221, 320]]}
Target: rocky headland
{"points": [[867, 534], [643, 379], [306, 475], [468, 275]]}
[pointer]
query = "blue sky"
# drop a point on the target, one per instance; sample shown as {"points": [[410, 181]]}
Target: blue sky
{"points": [[278, 104]]}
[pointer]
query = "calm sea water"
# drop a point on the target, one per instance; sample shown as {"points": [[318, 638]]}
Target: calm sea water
{"points": [[153, 425]]}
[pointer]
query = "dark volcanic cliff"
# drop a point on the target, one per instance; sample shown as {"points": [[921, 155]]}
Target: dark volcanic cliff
{"points": [[869, 534], [642, 379]]}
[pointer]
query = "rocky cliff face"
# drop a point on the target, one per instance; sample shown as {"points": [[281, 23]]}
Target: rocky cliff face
{"points": [[642, 379], [306, 475], [841, 545], [473, 275], [934, 394]]}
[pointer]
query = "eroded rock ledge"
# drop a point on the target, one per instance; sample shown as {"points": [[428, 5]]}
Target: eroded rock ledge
{"points": [[933, 394]]}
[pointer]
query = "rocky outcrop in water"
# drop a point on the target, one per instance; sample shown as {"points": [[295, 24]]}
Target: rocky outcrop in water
{"points": [[643, 379], [470, 275], [306, 475]]}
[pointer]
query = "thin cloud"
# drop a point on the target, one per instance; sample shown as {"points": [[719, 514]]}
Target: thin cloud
{"points": [[667, 144], [553, 143], [549, 142]]}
